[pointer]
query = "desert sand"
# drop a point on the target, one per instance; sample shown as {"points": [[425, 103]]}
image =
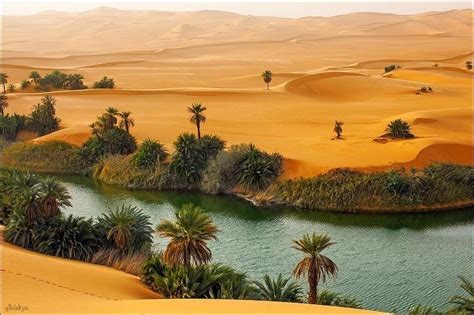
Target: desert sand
{"points": [[46, 284], [325, 69]]}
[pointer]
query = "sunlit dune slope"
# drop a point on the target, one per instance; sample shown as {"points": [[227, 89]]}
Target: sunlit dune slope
{"points": [[46, 284]]}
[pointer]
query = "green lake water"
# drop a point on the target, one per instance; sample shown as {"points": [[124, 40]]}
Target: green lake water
{"points": [[388, 262]]}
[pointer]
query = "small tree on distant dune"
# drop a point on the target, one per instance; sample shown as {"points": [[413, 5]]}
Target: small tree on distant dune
{"points": [[11, 88], [399, 129], [267, 78], [338, 128], [469, 65]]}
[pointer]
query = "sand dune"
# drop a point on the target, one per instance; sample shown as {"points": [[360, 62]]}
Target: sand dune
{"points": [[324, 69], [46, 284]]}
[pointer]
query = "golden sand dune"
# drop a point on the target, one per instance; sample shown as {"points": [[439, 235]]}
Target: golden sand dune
{"points": [[45, 284], [326, 69], [346, 86]]}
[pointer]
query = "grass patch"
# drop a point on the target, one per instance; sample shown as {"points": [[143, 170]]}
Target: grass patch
{"points": [[352, 191], [118, 170], [48, 157]]}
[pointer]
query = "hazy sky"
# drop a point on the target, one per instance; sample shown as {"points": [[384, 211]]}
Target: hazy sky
{"points": [[269, 8]]}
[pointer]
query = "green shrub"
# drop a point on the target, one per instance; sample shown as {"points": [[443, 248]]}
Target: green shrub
{"points": [[398, 129], [19, 233], [326, 297], [204, 281], [112, 141], [68, 237], [48, 156], [279, 289], [149, 154], [210, 146], [258, 169], [391, 68], [104, 83], [125, 228]]}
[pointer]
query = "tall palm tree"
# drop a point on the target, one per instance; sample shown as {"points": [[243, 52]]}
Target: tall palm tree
{"points": [[197, 116], [35, 76], [188, 237], [111, 115], [3, 104], [4, 79], [267, 78], [279, 289], [315, 265], [338, 128], [126, 121]]}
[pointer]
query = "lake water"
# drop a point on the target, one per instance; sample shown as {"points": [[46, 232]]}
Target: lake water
{"points": [[388, 262]]}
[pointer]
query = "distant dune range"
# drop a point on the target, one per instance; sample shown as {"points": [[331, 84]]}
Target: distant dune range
{"points": [[324, 69]]}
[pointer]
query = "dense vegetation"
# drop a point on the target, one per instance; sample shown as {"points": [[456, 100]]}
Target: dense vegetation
{"points": [[104, 83], [42, 119], [397, 190]]}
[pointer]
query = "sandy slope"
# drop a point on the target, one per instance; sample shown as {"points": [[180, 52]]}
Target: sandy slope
{"points": [[325, 69], [45, 284]]}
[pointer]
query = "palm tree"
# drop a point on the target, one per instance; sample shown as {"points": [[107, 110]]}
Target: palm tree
{"points": [[469, 65], [111, 115], [126, 122], [338, 128], [3, 78], [399, 129], [315, 265], [188, 237], [279, 289], [267, 78], [197, 116], [3, 104], [53, 196], [464, 303], [35, 76], [127, 228]]}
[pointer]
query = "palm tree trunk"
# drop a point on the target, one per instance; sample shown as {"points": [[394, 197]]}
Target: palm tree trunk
{"points": [[199, 130], [268, 86], [3, 87], [313, 287], [126, 127]]}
